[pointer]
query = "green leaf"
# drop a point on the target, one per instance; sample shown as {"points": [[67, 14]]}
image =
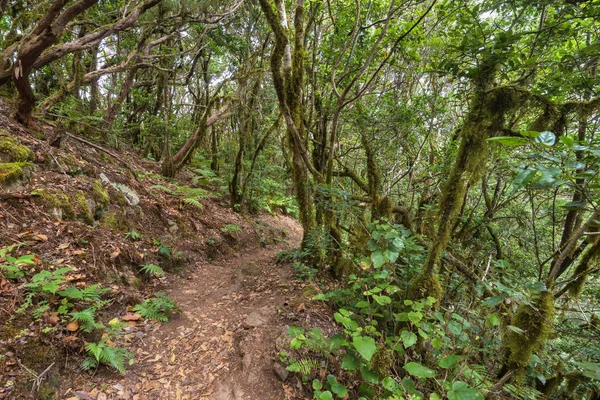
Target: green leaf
{"points": [[368, 375], [509, 140], [316, 384], [418, 370], [350, 363], [389, 384], [524, 177], [515, 329], [365, 345], [378, 259], [340, 390], [382, 300], [408, 339], [449, 361], [492, 320], [546, 138], [462, 391], [530, 134], [326, 395], [567, 140]]}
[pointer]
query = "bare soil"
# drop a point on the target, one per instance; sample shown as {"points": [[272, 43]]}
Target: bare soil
{"points": [[223, 344]]}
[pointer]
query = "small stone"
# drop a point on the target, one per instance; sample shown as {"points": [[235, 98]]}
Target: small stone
{"points": [[280, 371], [81, 395], [119, 387], [255, 320]]}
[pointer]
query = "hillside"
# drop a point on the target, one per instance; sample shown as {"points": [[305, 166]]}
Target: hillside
{"points": [[82, 224]]}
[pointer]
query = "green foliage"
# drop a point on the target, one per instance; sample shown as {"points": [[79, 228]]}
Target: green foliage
{"points": [[158, 308], [152, 269], [133, 235], [231, 228], [106, 352], [11, 267]]}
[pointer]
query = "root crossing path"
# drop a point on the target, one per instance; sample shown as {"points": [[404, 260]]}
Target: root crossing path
{"points": [[222, 345]]}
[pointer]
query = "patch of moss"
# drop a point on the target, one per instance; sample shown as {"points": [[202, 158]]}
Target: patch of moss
{"points": [[83, 211], [382, 361], [12, 172], [15, 151], [100, 195], [58, 201], [111, 220], [535, 322], [426, 285], [69, 164]]}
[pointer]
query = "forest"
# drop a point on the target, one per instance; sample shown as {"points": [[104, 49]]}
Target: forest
{"points": [[440, 158]]}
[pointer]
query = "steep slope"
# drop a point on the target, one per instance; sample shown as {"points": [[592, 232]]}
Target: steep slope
{"points": [[74, 215]]}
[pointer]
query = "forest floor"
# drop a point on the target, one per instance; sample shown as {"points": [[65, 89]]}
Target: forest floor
{"points": [[73, 206], [223, 344]]}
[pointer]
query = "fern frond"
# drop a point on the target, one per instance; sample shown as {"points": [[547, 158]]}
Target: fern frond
{"points": [[86, 319], [152, 269], [162, 189], [194, 202], [305, 366]]}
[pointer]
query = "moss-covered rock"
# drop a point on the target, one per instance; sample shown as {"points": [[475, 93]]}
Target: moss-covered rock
{"points": [[84, 211], [12, 151], [100, 195], [11, 173], [59, 203], [113, 221]]}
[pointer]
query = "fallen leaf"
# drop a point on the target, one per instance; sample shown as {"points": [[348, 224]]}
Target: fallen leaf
{"points": [[131, 317], [40, 237], [53, 319], [115, 253], [71, 338], [73, 326], [63, 246], [301, 307]]}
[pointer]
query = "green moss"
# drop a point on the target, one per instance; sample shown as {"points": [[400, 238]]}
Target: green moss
{"points": [[69, 164], [11, 172], [15, 151], [382, 361], [112, 221], [100, 195], [83, 211], [59, 201], [535, 322], [583, 269], [425, 285]]}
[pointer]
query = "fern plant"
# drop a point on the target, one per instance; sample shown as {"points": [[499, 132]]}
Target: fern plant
{"points": [[304, 366], [133, 235], [152, 269], [86, 319], [103, 353], [158, 308]]}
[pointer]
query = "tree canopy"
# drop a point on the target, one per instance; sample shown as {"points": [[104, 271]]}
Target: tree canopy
{"points": [[441, 156]]}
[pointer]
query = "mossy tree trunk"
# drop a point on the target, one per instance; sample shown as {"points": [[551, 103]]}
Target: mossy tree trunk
{"points": [[288, 74]]}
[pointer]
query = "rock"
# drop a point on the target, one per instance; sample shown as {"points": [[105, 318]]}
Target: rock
{"points": [[130, 195], [280, 371], [282, 343], [254, 320], [119, 387], [81, 395]]}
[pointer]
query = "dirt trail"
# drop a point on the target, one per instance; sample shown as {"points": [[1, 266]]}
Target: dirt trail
{"points": [[222, 344]]}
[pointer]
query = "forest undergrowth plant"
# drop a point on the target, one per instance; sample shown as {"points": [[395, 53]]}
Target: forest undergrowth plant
{"points": [[49, 294], [394, 347], [158, 308]]}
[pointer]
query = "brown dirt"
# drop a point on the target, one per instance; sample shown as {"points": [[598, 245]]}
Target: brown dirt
{"points": [[222, 345]]}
